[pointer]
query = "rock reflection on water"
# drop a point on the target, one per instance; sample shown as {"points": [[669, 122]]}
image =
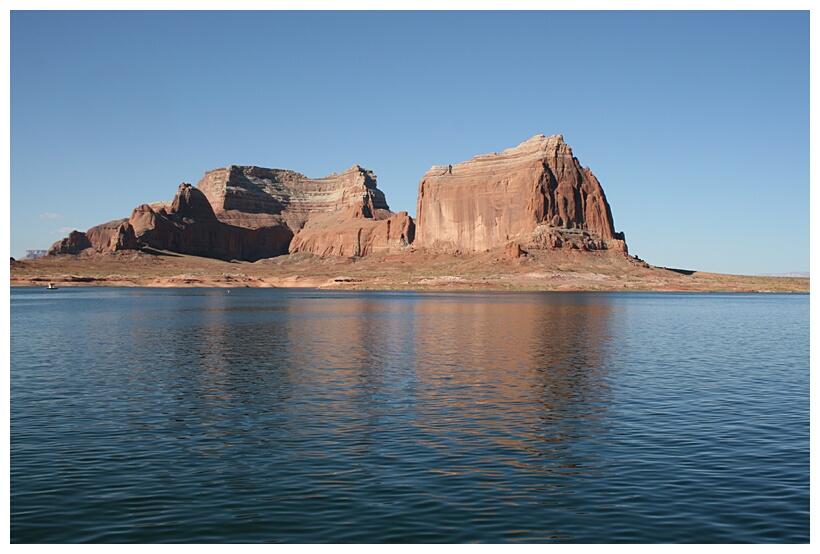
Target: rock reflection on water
{"points": [[520, 374], [306, 416], [466, 405], [444, 399]]}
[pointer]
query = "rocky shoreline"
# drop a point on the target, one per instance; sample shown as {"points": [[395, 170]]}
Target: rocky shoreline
{"points": [[528, 218], [414, 270]]}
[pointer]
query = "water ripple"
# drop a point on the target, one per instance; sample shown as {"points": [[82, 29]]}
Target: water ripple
{"points": [[290, 416]]}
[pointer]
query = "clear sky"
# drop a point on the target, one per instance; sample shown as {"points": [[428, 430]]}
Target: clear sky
{"points": [[695, 123]]}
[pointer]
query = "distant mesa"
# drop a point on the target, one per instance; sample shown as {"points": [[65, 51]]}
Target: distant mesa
{"points": [[791, 274], [32, 254], [535, 196]]}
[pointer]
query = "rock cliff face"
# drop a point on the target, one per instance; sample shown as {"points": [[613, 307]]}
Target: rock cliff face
{"points": [[343, 214], [112, 236], [533, 196], [249, 213], [252, 197], [338, 234], [74, 243], [536, 195], [189, 226]]}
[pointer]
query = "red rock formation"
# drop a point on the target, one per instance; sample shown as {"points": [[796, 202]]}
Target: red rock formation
{"points": [[189, 226], [113, 236], [250, 213], [251, 197], [343, 214], [74, 243], [186, 225], [536, 194], [338, 234]]}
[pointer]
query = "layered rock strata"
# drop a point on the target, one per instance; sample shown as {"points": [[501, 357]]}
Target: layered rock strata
{"points": [[249, 196], [533, 196], [337, 234], [343, 214], [249, 213], [536, 195], [187, 226], [190, 226]]}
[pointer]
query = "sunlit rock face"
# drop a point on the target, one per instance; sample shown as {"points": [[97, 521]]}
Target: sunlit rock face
{"points": [[533, 196], [536, 194], [338, 234], [75, 243], [343, 214], [113, 236], [250, 196]]}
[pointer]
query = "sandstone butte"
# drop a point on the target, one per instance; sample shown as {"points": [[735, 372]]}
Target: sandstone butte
{"points": [[250, 213], [528, 218], [535, 196]]}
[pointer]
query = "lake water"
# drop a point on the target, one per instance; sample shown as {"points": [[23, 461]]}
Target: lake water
{"points": [[269, 415]]}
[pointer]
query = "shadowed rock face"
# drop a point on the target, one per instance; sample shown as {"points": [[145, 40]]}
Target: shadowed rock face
{"points": [[189, 226], [343, 214], [249, 213], [536, 194]]}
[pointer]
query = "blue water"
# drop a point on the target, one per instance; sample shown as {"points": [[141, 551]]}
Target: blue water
{"points": [[264, 415]]}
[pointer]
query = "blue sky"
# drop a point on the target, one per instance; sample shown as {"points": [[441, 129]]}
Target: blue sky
{"points": [[695, 123]]}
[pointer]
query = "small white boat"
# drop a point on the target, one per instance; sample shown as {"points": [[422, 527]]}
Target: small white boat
{"points": [[52, 286]]}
